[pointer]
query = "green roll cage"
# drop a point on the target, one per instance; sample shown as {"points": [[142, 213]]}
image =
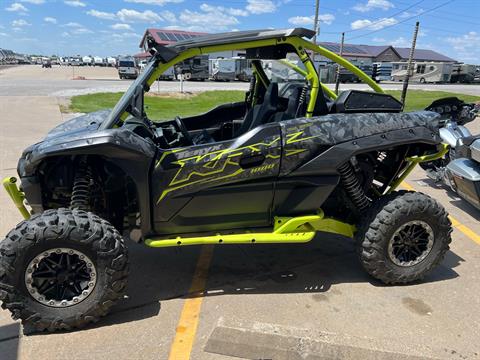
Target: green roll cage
{"points": [[301, 47]]}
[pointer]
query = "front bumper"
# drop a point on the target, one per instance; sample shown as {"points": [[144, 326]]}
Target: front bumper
{"points": [[17, 196]]}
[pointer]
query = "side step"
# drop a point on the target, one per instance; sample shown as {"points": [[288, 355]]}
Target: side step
{"points": [[300, 229]]}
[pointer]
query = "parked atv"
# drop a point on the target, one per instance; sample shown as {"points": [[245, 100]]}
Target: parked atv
{"points": [[290, 161], [460, 167]]}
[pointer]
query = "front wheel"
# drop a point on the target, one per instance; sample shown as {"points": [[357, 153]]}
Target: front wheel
{"points": [[62, 269], [403, 237]]}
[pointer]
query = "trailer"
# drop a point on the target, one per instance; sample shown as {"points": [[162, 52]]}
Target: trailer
{"points": [[87, 61], [98, 61], [423, 72], [195, 69], [168, 75], [382, 71], [346, 76], [463, 73], [223, 69], [111, 62], [243, 69]]}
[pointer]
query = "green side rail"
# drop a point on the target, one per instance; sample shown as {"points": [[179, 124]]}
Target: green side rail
{"points": [[18, 197], [413, 161]]}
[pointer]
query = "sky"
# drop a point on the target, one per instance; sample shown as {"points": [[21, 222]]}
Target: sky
{"points": [[113, 27]]}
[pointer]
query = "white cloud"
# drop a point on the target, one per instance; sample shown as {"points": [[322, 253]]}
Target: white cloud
{"points": [[16, 7], [168, 16], [401, 42], [19, 23], [154, 2], [373, 25], [308, 20], [121, 27], [73, 25], [221, 9], [50, 19], [81, 31], [467, 46], [374, 5], [3, 34], [261, 6], [147, 16], [379, 40], [101, 14], [207, 21], [407, 14], [75, 3], [36, 2]]}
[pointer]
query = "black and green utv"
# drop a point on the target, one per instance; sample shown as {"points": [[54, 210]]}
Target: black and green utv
{"points": [[290, 161]]}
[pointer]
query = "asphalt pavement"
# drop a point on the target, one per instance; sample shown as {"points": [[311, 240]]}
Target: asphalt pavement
{"points": [[310, 301]]}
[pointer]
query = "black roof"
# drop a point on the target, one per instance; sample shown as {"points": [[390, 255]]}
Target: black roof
{"points": [[240, 36]]}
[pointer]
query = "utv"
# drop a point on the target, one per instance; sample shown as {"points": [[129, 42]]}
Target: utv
{"points": [[291, 160]]}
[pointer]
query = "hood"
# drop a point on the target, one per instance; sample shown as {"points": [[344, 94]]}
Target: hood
{"points": [[84, 123]]}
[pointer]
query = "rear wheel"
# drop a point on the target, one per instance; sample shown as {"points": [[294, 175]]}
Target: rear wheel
{"points": [[62, 269], [403, 237]]}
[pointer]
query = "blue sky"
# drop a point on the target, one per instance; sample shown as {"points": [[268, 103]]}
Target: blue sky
{"points": [[111, 27]]}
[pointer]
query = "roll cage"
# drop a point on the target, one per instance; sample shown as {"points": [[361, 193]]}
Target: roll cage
{"points": [[277, 42]]}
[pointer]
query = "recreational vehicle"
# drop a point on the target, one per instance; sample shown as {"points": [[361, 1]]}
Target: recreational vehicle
{"points": [[87, 61], [111, 62], [223, 69], [169, 74], [98, 61], [195, 68], [463, 73], [423, 72], [243, 69], [382, 71]]}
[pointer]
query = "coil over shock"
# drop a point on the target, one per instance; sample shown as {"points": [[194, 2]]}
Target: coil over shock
{"points": [[352, 187], [81, 187], [302, 100]]}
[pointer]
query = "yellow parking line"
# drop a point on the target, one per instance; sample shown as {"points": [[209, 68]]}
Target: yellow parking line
{"points": [[188, 323], [472, 235]]}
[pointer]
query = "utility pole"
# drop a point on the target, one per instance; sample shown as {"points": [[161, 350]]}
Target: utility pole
{"points": [[410, 63], [337, 78], [315, 21]]}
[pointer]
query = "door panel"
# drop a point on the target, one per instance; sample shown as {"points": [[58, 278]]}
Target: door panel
{"points": [[217, 186]]}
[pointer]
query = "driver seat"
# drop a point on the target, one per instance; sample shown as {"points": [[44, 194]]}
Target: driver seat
{"points": [[262, 113]]}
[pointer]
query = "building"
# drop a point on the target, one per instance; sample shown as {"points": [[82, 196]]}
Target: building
{"points": [[368, 54]]}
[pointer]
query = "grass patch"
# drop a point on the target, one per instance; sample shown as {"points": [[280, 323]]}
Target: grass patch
{"points": [[160, 107], [167, 106]]}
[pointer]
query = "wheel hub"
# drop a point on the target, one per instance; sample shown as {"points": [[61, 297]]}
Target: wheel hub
{"points": [[411, 243], [60, 277]]}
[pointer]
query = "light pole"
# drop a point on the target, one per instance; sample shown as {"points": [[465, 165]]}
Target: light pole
{"points": [[315, 21]]}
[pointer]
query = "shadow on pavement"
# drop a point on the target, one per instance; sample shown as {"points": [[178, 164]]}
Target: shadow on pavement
{"points": [[9, 341], [161, 274]]}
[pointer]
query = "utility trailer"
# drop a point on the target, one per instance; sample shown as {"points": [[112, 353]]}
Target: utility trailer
{"points": [[423, 72], [463, 73], [193, 69], [223, 69]]}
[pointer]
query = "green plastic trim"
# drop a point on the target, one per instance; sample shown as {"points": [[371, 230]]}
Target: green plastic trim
{"points": [[414, 160], [299, 229], [16, 195]]}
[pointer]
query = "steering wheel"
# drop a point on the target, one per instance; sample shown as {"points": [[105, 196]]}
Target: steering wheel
{"points": [[183, 129]]}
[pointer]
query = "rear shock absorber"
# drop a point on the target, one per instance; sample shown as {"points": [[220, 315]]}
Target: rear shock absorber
{"points": [[81, 187], [302, 101], [352, 187]]}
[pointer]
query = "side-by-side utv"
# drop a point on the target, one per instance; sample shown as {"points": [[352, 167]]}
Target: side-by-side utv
{"points": [[290, 161]]}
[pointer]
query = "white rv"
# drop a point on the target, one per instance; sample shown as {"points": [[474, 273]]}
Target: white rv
{"points": [[111, 61], [98, 61], [87, 61], [223, 69], [423, 72]]}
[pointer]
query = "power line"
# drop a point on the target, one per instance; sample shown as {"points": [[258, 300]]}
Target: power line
{"points": [[405, 20]]}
